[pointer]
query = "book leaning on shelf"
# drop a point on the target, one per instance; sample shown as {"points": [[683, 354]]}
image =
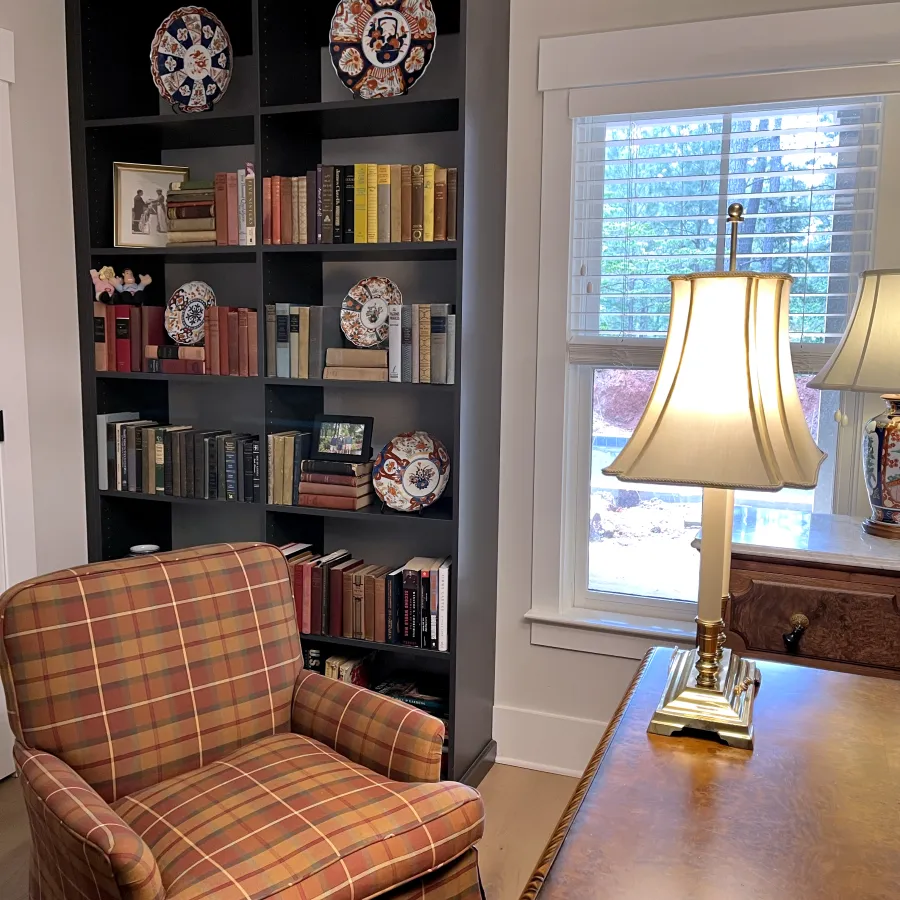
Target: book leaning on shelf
{"points": [[361, 203], [142, 456]]}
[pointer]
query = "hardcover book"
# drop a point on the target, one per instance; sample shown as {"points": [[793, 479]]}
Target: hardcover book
{"points": [[276, 209], [406, 366], [319, 179], [302, 211], [349, 196], [395, 342], [396, 202], [371, 203], [303, 350], [428, 219], [417, 183], [221, 203], [287, 213], [243, 342], [440, 204], [452, 175], [384, 204], [234, 348], [231, 189], [253, 342], [424, 311], [294, 321], [338, 221], [311, 195], [451, 349], [360, 203], [355, 373], [100, 349], [345, 356], [251, 204], [439, 313], [295, 209], [267, 210], [283, 340], [123, 338], [271, 342], [406, 203], [242, 207], [327, 204]]}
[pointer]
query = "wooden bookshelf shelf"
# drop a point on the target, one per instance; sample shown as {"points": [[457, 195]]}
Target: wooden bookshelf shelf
{"points": [[286, 111], [399, 649]]}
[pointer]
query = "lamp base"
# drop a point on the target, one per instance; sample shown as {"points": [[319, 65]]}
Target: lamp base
{"points": [[881, 529], [725, 710]]}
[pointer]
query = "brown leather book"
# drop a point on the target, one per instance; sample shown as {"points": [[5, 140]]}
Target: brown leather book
{"points": [[355, 373], [101, 336], [312, 235], [406, 203], [231, 184], [234, 352], [287, 212], [110, 339], [222, 209], [418, 202], [152, 330], [380, 607], [440, 204], [323, 501], [223, 341], [335, 490], [267, 210], [339, 576], [369, 601], [212, 339], [353, 601], [452, 176], [243, 343], [276, 209], [253, 342]]}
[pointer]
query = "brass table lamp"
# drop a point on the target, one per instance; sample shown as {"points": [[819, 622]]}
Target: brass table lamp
{"points": [[724, 414]]}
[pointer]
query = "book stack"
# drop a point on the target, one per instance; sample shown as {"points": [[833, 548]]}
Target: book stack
{"points": [[355, 365], [235, 196], [191, 208], [362, 203], [297, 337], [422, 343], [134, 339], [141, 456], [340, 596]]}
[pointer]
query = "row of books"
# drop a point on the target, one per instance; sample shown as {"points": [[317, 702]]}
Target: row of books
{"points": [[141, 456], [337, 595], [295, 480], [304, 342], [363, 203], [219, 212]]}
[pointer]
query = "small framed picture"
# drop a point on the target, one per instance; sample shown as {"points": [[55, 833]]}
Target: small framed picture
{"points": [[346, 438], [139, 203]]}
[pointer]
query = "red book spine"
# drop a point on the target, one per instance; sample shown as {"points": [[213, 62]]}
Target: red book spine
{"points": [[297, 583], [195, 366], [234, 362], [243, 343], [123, 338], [223, 340], [152, 331], [110, 338], [276, 210], [307, 598], [336, 603], [324, 501], [232, 194], [134, 330], [315, 606], [212, 339], [253, 343], [318, 478], [222, 209], [287, 215], [267, 210], [175, 366]]}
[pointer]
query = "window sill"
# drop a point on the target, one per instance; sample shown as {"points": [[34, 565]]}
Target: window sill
{"points": [[607, 633]]}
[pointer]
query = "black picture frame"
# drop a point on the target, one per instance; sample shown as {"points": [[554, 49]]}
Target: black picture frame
{"points": [[321, 432]]}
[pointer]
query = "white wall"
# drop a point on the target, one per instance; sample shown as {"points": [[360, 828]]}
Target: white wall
{"points": [[40, 132], [551, 705]]}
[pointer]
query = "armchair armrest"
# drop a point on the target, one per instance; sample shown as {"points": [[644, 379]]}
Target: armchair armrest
{"points": [[385, 735], [82, 848]]}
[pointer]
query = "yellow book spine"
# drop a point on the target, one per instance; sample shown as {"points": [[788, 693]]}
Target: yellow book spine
{"points": [[372, 204], [360, 207], [429, 201]]}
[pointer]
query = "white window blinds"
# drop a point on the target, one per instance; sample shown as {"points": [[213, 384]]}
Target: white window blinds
{"points": [[651, 192]]}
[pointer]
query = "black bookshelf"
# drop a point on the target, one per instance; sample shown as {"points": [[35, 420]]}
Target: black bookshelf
{"points": [[286, 111]]}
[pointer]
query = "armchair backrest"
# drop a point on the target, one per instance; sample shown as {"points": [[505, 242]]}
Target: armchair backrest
{"points": [[137, 670]]}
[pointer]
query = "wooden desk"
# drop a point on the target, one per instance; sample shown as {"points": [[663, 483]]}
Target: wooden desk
{"points": [[812, 812]]}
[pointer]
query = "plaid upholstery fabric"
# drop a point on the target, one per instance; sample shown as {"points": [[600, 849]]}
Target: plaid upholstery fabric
{"points": [[288, 817], [386, 735], [456, 881], [138, 670], [81, 848]]}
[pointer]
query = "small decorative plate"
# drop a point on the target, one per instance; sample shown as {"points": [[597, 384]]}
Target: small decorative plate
{"points": [[411, 471], [186, 312], [190, 59], [364, 313], [380, 48]]}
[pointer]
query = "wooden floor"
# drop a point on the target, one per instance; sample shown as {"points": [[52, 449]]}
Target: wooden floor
{"points": [[522, 809]]}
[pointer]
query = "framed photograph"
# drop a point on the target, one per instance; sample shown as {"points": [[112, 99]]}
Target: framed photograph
{"points": [[345, 438], [140, 215]]}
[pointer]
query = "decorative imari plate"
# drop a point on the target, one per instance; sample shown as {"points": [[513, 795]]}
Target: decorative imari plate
{"points": [[411, 471], [380, 48], [191, 59], [364, 313], [186, 312]]}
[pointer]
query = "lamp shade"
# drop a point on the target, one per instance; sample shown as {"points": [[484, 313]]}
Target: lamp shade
{"points": [[724, 411], [866, 359]]}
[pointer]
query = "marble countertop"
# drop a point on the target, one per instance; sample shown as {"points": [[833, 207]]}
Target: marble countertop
{"points": [[833, 540]]}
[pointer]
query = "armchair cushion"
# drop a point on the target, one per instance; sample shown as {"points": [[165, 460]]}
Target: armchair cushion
{"points": [[288, 817], [81, 847], [392, 738]]}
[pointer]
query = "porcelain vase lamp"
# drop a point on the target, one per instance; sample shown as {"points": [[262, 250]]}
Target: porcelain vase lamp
{"points": [[867, 360], [724, 414]]}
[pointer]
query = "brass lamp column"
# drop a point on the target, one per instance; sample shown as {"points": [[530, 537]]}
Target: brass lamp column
{"points": [[724, 414]]}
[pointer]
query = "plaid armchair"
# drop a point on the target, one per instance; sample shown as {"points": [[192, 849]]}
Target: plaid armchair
{"points": [[170, 745]]}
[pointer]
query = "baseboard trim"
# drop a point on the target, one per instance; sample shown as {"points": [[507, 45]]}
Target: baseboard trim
{"points": [[546, 742], [474, 775]]}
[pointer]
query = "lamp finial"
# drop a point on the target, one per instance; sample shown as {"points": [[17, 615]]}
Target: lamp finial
{"points": [[735, 217]]}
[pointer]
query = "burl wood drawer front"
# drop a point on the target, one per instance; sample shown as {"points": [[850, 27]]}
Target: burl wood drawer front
{"points": [[849, 624]]}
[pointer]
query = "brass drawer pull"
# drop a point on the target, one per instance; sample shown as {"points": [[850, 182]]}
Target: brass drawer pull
{"points": [[799, 623]]}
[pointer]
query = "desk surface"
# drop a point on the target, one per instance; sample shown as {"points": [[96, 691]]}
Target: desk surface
{"points": [[812, 812]]}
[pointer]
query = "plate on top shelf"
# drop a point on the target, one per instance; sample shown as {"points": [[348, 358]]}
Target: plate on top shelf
{"points": [[412, 471], [364, 312], [380, 48], [186, 312], [190, 59]]}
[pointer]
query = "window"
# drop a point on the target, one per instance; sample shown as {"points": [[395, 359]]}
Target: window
{"points": [[650, 195]]}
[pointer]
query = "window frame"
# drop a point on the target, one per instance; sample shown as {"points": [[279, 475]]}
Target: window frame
{"points": [[622, 624]]}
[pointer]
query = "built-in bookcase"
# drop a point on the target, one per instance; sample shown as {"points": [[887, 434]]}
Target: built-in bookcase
{"points": [[286, 110]]}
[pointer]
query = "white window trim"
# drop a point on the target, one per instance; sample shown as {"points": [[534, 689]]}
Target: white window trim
{"points": [[556, 616]]}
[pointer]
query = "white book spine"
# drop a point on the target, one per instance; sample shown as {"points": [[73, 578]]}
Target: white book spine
{"points": [[451, 349], [395, 342], [415, 343], [443, 607], [250, 194], [242, 207]]}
